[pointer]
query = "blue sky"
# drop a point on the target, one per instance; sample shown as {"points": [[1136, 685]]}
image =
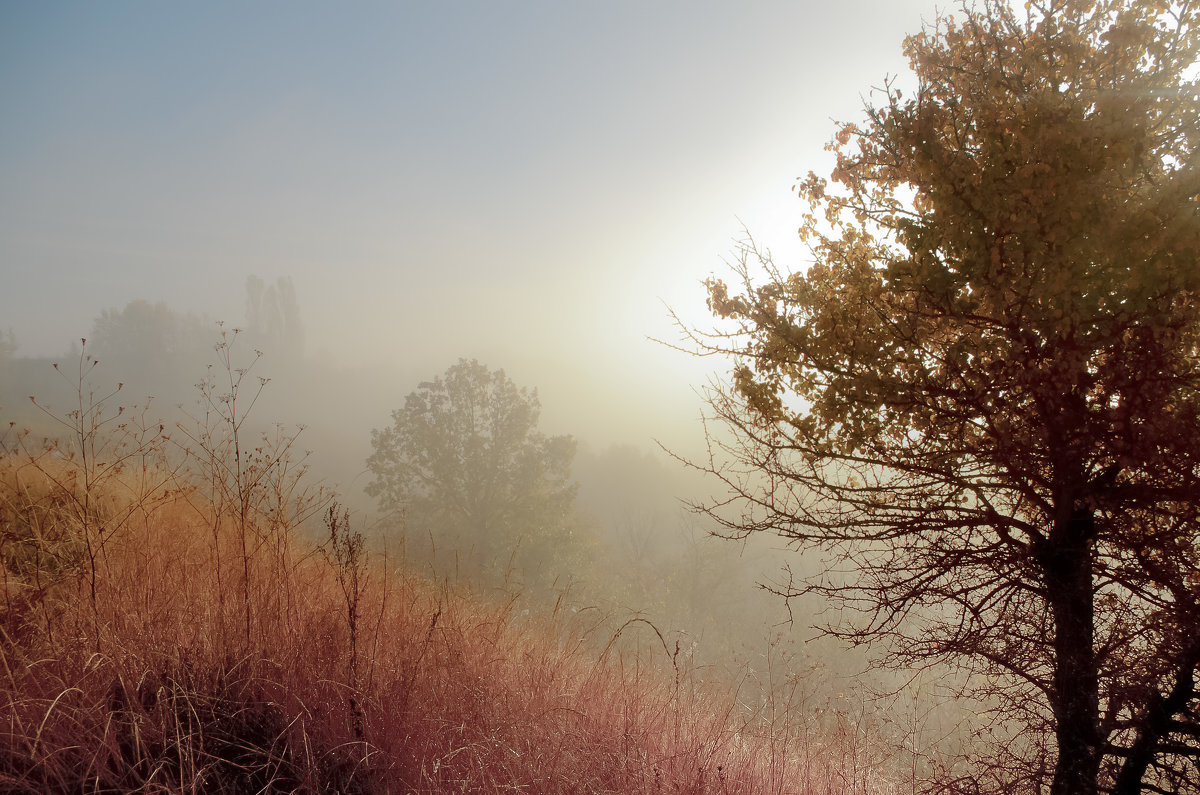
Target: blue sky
{"points": [[523, 182]]}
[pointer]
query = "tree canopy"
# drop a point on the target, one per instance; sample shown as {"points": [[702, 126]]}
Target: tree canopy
{"points": [[464, 463], [983, 393]]}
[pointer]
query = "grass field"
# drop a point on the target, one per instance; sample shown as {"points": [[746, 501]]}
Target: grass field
{"points": [[157, 638]]}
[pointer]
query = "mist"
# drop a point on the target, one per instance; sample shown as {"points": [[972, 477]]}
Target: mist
{"points": [[370, 195], [538, 188], [531, 187]]}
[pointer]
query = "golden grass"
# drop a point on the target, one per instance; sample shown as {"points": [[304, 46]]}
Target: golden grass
{"points": [[157, 690]]}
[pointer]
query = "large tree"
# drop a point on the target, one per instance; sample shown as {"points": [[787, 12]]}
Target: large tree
{"points": [[465, 464], [982, 392]]}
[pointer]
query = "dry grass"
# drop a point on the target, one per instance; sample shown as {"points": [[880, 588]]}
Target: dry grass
{"points": [[157, 690]]}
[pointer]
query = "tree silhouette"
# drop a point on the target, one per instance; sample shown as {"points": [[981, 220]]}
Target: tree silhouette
{"points": [[982, 394], [273, 318], [465, 464], [156, 349]]}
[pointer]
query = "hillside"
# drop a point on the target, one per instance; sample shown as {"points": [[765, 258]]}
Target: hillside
{"points": [[159, 636]]}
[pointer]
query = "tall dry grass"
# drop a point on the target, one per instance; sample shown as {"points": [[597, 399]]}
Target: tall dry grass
{"points": [[159, 683]]}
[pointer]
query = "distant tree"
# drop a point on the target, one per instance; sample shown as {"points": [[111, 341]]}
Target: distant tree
{"points": [[464, 462], [153, 347], [8, 350], [983, 395], [273, 318]]}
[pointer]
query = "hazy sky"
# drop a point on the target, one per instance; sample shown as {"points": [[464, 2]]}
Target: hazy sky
{"points": [[522, 182]]}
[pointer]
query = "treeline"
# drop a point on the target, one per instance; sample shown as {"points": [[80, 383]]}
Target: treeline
{"points": [[159, 351]]}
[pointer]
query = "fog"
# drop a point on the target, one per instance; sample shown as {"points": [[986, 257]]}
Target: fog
{"points": [[528, 184], [534, 185]]}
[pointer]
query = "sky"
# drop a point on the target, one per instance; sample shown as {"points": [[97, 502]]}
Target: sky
{"points": [[531, 184]]}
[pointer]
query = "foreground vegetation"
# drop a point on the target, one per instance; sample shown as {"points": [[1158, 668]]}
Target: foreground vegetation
{"points": [[155, 639]]}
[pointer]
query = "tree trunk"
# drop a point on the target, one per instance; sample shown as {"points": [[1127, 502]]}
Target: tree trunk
{"points": [[1156, 721], [1066, 561]]}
